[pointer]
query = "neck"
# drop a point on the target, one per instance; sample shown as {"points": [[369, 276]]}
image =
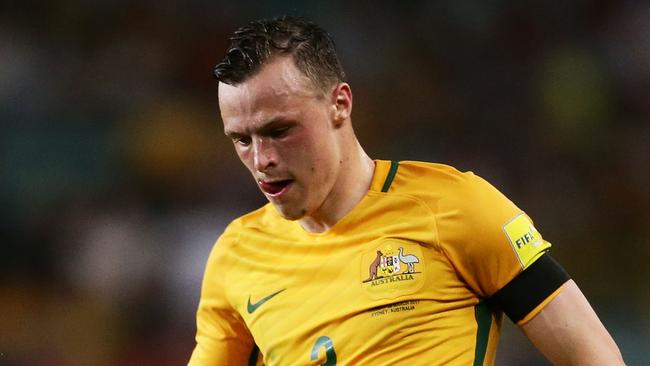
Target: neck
{"points": [[355, 177]]}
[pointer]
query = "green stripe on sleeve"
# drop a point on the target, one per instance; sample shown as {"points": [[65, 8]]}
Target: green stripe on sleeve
{"points": [[483, 317]]}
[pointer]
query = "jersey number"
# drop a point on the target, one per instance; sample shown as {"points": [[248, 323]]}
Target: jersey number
{"points": [[330, 355]]}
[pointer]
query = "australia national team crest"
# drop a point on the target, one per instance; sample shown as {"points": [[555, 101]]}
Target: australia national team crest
{"points": [[393, 268]]}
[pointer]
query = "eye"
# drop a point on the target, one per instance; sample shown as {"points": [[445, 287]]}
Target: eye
{"points": [[241, 140], [279, 132]]}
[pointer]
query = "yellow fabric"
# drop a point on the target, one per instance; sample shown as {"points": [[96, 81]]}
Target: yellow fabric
{"points": [[394, 282]]}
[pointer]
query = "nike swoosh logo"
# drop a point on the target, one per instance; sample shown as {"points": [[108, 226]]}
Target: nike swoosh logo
{"points": [[252, 307]]}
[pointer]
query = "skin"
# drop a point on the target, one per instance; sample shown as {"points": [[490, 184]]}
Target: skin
{"points": [[568, 332], [286, 129]]}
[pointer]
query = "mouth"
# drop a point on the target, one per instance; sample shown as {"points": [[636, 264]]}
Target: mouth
{"points": [[275, 188]]}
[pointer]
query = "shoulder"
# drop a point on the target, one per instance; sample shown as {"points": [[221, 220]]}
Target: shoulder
{"points": [[454, 197], [263, 216], [439, 183], [258, 220], [237, 239], [436, 171], [417, 174]]}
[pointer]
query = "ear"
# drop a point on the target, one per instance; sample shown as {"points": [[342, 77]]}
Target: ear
{"points": [[341, 98]]}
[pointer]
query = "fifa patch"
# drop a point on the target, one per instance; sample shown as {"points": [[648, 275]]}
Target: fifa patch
{"points": [[525, 239], [393, 268]]}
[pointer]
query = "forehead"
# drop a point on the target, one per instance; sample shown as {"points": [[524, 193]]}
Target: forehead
{"points": [[277, 90]]}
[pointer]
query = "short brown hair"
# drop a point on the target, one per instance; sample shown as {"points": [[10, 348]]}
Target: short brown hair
{"points": [[311, 47]]}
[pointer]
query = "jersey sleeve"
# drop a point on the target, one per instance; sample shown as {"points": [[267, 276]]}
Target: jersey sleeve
{"points": [[486, 237], [222, 337]]}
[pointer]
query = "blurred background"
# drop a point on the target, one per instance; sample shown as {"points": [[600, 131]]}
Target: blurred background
{"points": [[117, 179]]}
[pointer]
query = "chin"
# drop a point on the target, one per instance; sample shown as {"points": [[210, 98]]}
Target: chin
{"points": [[290, 214]]}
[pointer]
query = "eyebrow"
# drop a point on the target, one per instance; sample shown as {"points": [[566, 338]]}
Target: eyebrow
{"points": [[265, 128]]}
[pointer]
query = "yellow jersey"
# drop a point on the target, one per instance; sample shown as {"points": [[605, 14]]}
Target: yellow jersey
{"points": [[400, 280]]}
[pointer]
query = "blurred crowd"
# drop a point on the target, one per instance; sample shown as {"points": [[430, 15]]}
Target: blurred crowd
{"points": [[117, 179]]}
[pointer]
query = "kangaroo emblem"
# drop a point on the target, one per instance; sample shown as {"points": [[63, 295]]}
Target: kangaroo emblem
{"points": [[373, 267]]}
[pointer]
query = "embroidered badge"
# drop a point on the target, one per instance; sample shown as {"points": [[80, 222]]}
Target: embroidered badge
{"points": [[525, 239], [394, 268]]}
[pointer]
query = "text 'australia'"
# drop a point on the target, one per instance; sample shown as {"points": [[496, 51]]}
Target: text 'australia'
{"points": [[394, 278]]}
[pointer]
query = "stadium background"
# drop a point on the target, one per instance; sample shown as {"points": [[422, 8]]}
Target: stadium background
{"points": [[116, 178]]}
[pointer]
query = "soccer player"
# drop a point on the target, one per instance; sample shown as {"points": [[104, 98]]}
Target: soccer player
{"points": [[366, 262]]}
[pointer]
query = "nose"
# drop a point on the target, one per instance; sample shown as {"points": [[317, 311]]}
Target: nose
{"points": [[264, 156]]}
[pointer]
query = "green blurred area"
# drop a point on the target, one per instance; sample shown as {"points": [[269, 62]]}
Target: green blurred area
{"points": [[117, 180]]}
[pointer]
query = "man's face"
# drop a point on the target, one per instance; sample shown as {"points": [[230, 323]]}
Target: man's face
{"points": [[284, 132]]}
